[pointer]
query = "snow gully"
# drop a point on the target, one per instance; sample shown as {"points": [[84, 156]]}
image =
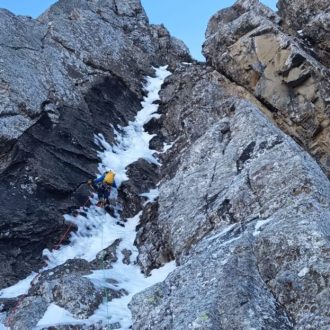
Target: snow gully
{"points": [[132, 143]]}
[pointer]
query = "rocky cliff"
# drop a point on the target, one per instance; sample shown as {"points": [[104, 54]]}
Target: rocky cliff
{"points": [[63, 78], [241, 173]]}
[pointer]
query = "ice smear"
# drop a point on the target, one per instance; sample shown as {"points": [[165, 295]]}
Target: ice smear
{"points": [[97, 230], [303, 272], [222, 233], [260, 224]]}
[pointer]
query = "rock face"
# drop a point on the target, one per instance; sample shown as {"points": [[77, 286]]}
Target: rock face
{"points": [[244, 191], [311, 19], [63, 78], [249, 236], [247, 44]]}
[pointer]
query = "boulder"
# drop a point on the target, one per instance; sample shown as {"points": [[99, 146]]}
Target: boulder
{"points": [[66, 286]]}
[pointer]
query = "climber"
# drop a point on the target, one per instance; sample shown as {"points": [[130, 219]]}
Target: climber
{"points": [[103, 186]]}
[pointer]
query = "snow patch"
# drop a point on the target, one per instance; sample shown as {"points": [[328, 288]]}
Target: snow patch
{"points": [[167, 146], [94, 227], [55, 313], [152, 195], [128, 277], [303, 272], [260, 224], [133, 281], [21, 287]]}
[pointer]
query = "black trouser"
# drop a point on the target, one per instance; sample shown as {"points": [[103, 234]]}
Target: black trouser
{"points": [[103, 191]]}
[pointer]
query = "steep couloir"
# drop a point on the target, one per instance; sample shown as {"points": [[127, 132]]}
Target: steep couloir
{"points": [[63, 78]]}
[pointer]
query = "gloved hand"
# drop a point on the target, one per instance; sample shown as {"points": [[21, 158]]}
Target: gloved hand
{"points": [[89, 182]]}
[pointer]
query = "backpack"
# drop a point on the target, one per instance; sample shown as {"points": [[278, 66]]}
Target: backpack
{"points": [[109, 178]]}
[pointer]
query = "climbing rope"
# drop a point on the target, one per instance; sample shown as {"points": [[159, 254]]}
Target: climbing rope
{"points": [[64, 236]]}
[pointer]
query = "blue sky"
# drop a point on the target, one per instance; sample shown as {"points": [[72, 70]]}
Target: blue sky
{"points": [[185, 19]]}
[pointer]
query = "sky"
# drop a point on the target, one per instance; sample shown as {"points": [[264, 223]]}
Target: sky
{"points": [[185, 19]]}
